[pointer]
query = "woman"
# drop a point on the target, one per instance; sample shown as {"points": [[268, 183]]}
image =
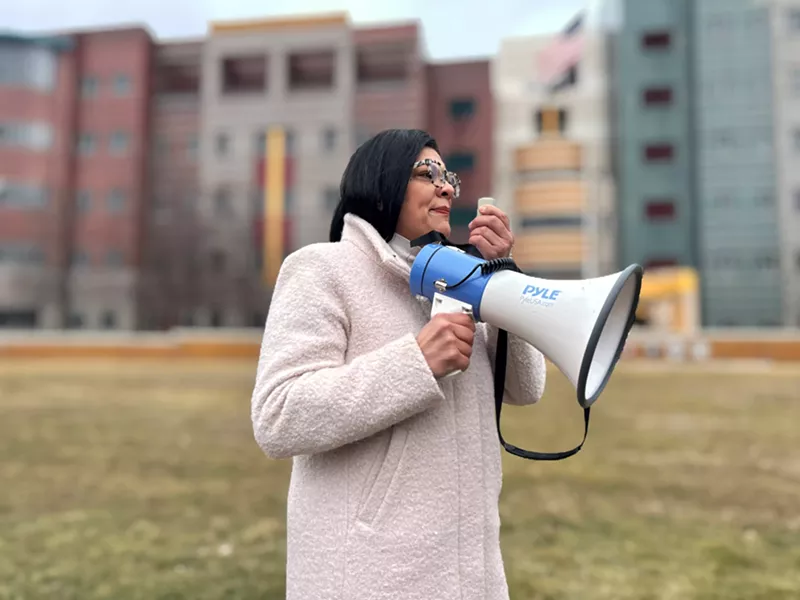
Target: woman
{"points": [[397, 470]]}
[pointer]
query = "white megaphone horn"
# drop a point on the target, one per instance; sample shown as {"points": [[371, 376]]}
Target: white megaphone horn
{"points": [[579, 325]]}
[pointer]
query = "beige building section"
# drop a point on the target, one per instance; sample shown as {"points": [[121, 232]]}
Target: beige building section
{"points": [[320, 122], [544, 179]]}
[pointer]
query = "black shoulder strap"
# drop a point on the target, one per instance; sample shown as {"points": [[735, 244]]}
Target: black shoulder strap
{"points": [[500, 363]]}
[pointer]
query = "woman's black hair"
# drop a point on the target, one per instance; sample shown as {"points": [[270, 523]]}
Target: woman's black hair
{"points": [[374, 182]]}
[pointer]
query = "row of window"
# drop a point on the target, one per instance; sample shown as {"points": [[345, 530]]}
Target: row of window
{"points": [[661, 40], [21, 253], [727, 260], [32, 197], [92, 85], [115, 201], [27, 66], [314, 69], [659, 152], [112, 258], [224, 142], [23, 196], [77, 320], [665, 209], [31, 136], [118, 143]]}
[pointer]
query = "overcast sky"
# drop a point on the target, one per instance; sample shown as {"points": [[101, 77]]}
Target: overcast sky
{"points": [[453, 28]]}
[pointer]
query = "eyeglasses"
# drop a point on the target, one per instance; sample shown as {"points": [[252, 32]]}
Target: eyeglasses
{"points": [[438, 175]]}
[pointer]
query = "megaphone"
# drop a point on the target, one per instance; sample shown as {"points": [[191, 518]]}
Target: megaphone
{"points": [[579, 325]]}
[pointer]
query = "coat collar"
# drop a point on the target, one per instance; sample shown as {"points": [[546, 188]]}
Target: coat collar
{"points": [[363, 235]]}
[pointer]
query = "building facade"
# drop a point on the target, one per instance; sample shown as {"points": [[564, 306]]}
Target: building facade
{"points": [[75, 130], [460, 115], [552, 151], [133, 174], [784, 23], [700, 143]]}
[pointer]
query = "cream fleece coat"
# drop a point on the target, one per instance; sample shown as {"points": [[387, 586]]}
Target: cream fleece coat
{"points": [[396, 475]]}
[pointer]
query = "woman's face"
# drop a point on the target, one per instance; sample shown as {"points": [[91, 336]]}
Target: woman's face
{"points": [[428, 198]]}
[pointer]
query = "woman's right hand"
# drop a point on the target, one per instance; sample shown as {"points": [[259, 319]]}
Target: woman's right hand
{"points": [[446, 342]]}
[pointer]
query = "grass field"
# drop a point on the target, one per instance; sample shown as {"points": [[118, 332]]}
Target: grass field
{"points": [[142, 481]]}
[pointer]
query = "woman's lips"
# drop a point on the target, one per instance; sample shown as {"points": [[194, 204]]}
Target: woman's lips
{"points": [[441, 211]]}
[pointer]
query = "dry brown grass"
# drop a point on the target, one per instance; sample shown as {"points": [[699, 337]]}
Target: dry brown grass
{"points": [[142, 480]]}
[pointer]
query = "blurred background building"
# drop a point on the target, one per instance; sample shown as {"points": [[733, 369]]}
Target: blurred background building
{"points": [[553, 152], [133, 172], [705, 114], [138, 177]]}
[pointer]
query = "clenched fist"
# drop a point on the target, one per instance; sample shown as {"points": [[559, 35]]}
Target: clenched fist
{"points": [[446, 342]]}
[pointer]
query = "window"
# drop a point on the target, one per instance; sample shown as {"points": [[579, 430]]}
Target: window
{"points": [[661, 262], [86, 144], [32, 136], [217, 260], [569, 221], [79, 258], [797, 200], [658, 153], [660, 210], [657, 96], [460, 161], [222, 144], [765, 198], [75, 320], [108, 320], [721, 138], [114, 258], [192, 146], [551, 120], [766, 262], [794, 20], [21, 253], [244, 74], [796, 136], [115, 203], [33, 67], [311, 70], [362, 135], [288, 201], [383, 64], [329, 139], [118, 143], [462, 108], [331, 198], [261, 144], [83, 201], [795, 81], [23, 196], [656, 40], [89, 87], [222, 202], [462, 216], [122, 85], [291, 141]]}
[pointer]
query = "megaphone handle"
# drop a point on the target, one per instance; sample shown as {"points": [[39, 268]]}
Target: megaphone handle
{"points": [[499, 391], [445, 304]]}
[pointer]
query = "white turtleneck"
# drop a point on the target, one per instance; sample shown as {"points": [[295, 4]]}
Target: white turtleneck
{"points": [[403, 249]]}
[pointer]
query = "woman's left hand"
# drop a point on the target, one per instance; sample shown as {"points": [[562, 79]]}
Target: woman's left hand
{"points": [[490, 232]]}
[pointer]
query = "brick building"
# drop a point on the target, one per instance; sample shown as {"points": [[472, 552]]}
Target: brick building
{"points": [[132, 171]]}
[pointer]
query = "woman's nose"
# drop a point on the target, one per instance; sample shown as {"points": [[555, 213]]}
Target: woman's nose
{"points": [[446, 190]]}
